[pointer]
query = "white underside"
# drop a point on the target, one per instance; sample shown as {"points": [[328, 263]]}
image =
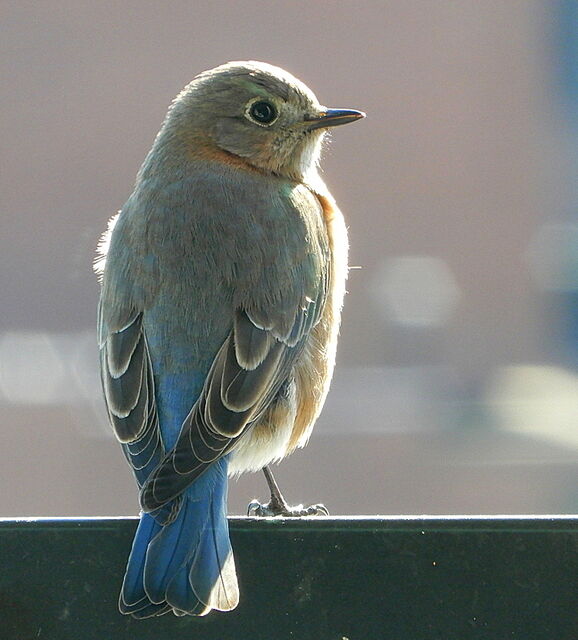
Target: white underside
{"points": [[262, 445]]}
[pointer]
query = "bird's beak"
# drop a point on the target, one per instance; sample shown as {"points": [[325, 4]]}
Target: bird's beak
{"points": [[332, 118]]}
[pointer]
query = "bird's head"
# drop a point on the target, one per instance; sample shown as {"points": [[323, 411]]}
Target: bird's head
{"points": [[258, 113]]}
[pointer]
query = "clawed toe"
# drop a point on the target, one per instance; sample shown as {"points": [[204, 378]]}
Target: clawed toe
{"points": [[316, 510], [256, 510]]}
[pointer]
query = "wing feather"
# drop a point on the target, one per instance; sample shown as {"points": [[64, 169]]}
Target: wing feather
{"points": [[121, 347], [127, 380], [125, 391], [239, 388]]}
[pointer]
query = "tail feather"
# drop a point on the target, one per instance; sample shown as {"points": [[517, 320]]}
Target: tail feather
{"points": [[181, 595], [214, 557], [168, 551], [187, 564], [151, 610], [132, 595]]}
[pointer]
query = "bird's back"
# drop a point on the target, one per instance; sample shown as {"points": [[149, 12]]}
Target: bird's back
{"points": [[200, 247]]}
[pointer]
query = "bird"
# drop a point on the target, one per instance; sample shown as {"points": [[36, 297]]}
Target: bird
{"points": [[222, 282]]}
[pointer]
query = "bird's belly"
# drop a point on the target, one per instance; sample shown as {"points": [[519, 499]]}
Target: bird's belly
{"points": [[267, 440]]}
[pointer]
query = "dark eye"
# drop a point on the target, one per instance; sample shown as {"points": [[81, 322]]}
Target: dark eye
{"points": [[263, 112]]}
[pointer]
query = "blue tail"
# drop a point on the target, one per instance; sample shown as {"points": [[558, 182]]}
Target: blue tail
{"points": [[186, 565]]}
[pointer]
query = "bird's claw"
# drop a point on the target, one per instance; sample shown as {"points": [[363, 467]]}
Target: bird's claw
{"points": [[316, 510], [275, 509]]}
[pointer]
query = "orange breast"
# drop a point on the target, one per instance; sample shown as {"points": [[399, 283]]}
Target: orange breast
{"points": [[315, 369]]}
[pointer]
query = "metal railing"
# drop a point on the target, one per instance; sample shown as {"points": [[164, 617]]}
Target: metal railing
{"points": [[366, 578]]}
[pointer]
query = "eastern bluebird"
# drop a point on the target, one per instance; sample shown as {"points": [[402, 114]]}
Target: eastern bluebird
{"points": [[223, 278]]}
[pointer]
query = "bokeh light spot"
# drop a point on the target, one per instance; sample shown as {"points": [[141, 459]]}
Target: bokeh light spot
{"points": [[418, 291]]}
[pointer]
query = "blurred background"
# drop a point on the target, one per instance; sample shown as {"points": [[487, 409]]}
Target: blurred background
{"points": [[456, 390]]}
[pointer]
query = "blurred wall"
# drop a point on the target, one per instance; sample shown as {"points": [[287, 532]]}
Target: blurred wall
{"points": [[453, 392]]}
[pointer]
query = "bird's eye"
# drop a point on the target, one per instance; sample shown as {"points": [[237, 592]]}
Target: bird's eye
{"points": [[263, 112]]}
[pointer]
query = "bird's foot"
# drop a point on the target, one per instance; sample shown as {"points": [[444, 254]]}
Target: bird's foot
{"points": [[276, 508], [277, 505]]}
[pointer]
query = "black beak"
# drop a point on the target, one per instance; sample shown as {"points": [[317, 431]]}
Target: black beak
{"points": [[333, 118]]}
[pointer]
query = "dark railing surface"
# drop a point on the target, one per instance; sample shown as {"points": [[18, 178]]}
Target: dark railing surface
{"points": [[390, 578]]}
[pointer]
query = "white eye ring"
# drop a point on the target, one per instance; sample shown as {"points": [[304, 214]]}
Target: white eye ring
{"points": [[262, 112]]}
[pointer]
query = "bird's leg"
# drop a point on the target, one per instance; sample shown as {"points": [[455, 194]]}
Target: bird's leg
{"points": [[277, 505]]}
